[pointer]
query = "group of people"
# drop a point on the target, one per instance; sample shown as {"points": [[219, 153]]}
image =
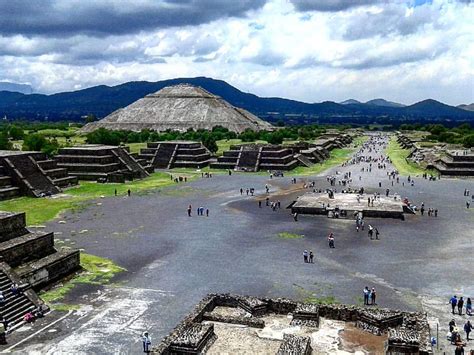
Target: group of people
{"points": [[459, 304], [308, 257], [370, 296], [248, 191], [200, 211]]}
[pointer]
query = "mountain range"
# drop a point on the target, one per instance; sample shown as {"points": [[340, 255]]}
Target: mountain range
{"points": [[102, 100]]}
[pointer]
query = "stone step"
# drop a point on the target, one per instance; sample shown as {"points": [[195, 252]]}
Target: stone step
{"points": [[49, 268], [88, 176], [56, 172], [86, 167], [46, 164], [66, 181], [26, 247], [12, 224], [5, 181], [90, 159], [7, 192]]}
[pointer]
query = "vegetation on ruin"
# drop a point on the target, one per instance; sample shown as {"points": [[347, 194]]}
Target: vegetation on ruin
{"points": [[41, 210], [286, 235], [463, 134], [399, 156], [336, 157], [96, 271]]}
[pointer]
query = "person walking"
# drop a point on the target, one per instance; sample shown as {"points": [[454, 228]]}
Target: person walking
{"points": [[377, 234], [311, 256], [146, 340], [207, 212], [467, 328], [469, 307], [129, 192], [189, 210], [460, 305], [453, 301]]}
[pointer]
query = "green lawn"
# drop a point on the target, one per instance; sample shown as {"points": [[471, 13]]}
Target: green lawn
{"points": [[97, 271], [398, 155], [336, 157], [41, 210]]}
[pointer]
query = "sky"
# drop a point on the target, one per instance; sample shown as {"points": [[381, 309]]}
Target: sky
{"points": [[308, 50]]}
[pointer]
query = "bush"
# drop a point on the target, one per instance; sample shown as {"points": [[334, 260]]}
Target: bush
{"points": [[34, 142]]}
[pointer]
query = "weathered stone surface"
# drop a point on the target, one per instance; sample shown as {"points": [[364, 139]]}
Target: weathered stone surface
{"points": [[180, 107]]}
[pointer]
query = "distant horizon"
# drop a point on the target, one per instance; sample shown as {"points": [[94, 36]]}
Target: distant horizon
{"points": [[280, 97]]}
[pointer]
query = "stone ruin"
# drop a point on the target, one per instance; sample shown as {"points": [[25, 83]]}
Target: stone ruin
{"points": [[31, 260], [455, 163], [175, 154], [31, 174], [406, 332], [101, 163], [180, 107], [255, 157]]}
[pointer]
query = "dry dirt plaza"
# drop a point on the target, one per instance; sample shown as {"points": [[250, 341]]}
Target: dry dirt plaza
{"points": [[173, 260]]}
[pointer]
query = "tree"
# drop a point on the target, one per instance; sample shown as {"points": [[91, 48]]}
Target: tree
{"points": [[90, 118], [16, 133], [34, 142], [210, 143], [5, 144]]}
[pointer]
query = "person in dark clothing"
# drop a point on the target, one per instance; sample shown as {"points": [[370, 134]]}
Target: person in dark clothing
{"points": [[129, 192], [467, 328], [311, 256], [454, 302], [460, 305]]}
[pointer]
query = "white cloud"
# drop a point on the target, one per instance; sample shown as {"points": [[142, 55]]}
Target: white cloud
{"points": [[396, 51]]}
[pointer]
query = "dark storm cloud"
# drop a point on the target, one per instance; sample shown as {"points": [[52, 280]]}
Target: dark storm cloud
{"points": [[331, 5], [107, 17]]}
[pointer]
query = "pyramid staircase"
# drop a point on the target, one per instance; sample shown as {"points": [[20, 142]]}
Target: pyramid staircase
{"points": [[31, 174], [30, 260], [175, 154]]}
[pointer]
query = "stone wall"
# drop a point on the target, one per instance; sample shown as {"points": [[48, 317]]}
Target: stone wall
{"points": [[402, 327]]}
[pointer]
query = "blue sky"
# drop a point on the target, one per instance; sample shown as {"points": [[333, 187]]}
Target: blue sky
{"points": [[313, 51]]}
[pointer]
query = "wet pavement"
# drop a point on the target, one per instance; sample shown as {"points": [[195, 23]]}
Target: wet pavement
{"points": [[173, 260]]}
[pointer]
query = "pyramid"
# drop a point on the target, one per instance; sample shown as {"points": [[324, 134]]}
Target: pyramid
{"points": [[180, 108]]}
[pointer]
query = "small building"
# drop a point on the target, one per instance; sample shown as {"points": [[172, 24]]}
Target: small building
{"points": [[455, 163], [100, 163]]}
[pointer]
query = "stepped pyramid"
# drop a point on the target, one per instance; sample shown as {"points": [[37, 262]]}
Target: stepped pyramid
{"points": [[180, 107]]}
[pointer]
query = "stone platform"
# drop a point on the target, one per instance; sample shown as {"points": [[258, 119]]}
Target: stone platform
{"points": [[219, 324], [101, 163], [31, 260], [32, 174], [347, 205]]}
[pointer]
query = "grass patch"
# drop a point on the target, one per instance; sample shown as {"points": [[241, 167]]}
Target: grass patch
{"points": [[41, 210], [286, 235], [399, 156], [224, 144], [310, 297], [136, 147], [336, 157], [97, 271]]}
